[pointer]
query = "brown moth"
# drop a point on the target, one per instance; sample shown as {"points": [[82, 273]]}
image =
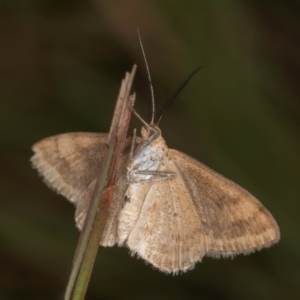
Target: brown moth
{"points": [[167, 208]]}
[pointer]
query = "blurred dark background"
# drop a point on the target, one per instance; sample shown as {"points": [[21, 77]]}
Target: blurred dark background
{"points": [[61, 64]]}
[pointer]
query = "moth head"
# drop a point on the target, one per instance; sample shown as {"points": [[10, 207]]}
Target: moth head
{"points": [[152, 131]]}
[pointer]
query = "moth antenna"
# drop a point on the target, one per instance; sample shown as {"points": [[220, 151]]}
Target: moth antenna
{"points": [[167, 104], [148, 75]]}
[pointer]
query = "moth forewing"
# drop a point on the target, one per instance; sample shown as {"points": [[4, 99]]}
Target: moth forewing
{"points": [[63, 160], [233, 220]]}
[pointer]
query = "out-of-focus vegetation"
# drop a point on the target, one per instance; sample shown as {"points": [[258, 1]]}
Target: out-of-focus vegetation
{"points": [[61, 63]]}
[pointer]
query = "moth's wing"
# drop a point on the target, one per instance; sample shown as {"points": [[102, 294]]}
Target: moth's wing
{"points": [[162, 224], [232, 220], [69, 164]]}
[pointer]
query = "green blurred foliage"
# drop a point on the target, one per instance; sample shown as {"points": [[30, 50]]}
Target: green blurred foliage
{"points": [[61, 63]]}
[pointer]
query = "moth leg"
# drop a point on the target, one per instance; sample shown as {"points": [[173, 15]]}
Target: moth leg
{"points": [[144, 122], [132, 144], [156, 173], [141, 181]]}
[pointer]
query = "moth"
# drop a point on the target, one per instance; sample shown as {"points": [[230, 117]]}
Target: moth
{"points": [[179, 212], [168, 208]]}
